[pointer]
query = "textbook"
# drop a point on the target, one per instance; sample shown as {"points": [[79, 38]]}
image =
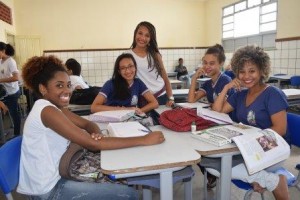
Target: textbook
{"points": [[219, 118], [127, 129], [112, 116], [259, 148]]}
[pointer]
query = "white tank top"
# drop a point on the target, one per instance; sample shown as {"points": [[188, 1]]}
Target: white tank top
{"points": [[152, 81], [41, 151]]}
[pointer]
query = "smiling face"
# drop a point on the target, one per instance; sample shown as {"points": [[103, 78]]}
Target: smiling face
{"points": [[211, 65], [250, 75], [142, 37], [57, 90], [127, 69]]}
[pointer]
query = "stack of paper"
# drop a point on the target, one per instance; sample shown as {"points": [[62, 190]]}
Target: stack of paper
{"points": [[112, 116], [220, 118], [127, 129]]}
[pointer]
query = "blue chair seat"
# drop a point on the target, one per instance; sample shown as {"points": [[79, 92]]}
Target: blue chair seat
{"points": [[10, 154]]}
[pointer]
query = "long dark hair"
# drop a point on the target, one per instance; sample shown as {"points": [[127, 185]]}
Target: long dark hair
{"points": [[151, 48], [121, 87]]}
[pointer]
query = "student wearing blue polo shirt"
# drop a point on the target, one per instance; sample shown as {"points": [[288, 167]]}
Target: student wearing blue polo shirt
{"points": [[257, 104], [212, 61], [123, 91]]}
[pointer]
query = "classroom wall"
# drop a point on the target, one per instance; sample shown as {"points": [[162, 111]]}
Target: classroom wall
{"points": [[94, 24], [5, 27]]}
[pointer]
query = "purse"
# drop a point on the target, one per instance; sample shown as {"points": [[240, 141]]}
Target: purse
{"points": [[79, 164]]}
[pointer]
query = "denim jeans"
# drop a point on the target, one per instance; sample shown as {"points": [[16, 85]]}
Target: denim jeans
{"points": [[11, 101], [67, 189]]}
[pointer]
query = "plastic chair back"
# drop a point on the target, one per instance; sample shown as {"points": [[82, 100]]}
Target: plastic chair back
{"points": [[10, 154], [293, 121], [295, 81]]}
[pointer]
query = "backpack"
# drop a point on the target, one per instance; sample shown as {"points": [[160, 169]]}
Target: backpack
{"points": [[84, 96], [181, 119], [79, 164]]}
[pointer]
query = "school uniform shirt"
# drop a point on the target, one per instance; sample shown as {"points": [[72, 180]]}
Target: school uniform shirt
{"points": [[148, 75], [137, 88], [213, 90], [258, 113], [78, 81], [7, 68], [41, 151]]}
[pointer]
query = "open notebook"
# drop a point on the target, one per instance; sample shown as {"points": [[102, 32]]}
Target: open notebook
{"points": [[127, 129]]}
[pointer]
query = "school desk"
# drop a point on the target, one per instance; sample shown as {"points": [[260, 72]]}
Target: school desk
{"points": [[163, 159], [293, 96]]}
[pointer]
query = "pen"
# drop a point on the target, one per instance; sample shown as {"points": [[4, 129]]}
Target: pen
{"points": [[146, 131]]}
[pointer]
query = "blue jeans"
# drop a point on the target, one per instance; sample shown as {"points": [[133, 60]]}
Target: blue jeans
{"points": [[67, 189], [11, 101]]}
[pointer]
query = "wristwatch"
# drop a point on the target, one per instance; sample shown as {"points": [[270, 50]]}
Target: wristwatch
{"points": [[171, 98]]}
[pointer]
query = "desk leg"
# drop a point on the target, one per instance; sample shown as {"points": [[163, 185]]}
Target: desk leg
{"points": [[166, 185], [225, 184]]}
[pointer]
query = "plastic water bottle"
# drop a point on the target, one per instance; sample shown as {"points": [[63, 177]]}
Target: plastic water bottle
{"points": [[193, 127]]}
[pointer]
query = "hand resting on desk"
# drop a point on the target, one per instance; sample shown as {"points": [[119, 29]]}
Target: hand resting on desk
{"points": [[155, 137]]}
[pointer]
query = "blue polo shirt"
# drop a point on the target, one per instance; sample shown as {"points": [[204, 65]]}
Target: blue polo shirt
{"points": [[259, 112], [213, 90], [137, 88]]}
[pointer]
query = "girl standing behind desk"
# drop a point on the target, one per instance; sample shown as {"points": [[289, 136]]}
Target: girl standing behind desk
{"points": [[150, 66], [123, 91], [48, 130]]}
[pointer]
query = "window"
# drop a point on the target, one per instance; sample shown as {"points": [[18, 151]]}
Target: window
{"points": [[249, 22]]}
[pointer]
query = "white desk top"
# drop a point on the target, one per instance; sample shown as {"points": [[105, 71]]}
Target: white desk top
{"points": [[292, 93], [175, 81], [174, 152], [180, 92], [281, 77]]}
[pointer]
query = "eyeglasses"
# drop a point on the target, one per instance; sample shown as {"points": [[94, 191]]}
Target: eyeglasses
{"points": [[124, 69]]}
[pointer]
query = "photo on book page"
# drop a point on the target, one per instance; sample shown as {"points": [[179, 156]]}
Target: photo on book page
{"points": [[267, 141]]}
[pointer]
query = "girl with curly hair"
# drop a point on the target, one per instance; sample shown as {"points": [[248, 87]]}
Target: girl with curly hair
{"points": [[257, 104], [48, 130]]}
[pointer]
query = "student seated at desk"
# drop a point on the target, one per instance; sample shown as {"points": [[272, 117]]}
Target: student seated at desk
{"points": [[74, 71], [48, 130], [259, 105], [212, 62], [124, 89]]}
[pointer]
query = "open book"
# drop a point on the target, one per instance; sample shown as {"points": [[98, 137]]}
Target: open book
{"points": [[127, 129], [259, 148], [112, 116]]}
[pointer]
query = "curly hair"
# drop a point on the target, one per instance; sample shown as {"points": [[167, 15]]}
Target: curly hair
{"points": [[252, 54], [39, 70], [152, 47]]}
